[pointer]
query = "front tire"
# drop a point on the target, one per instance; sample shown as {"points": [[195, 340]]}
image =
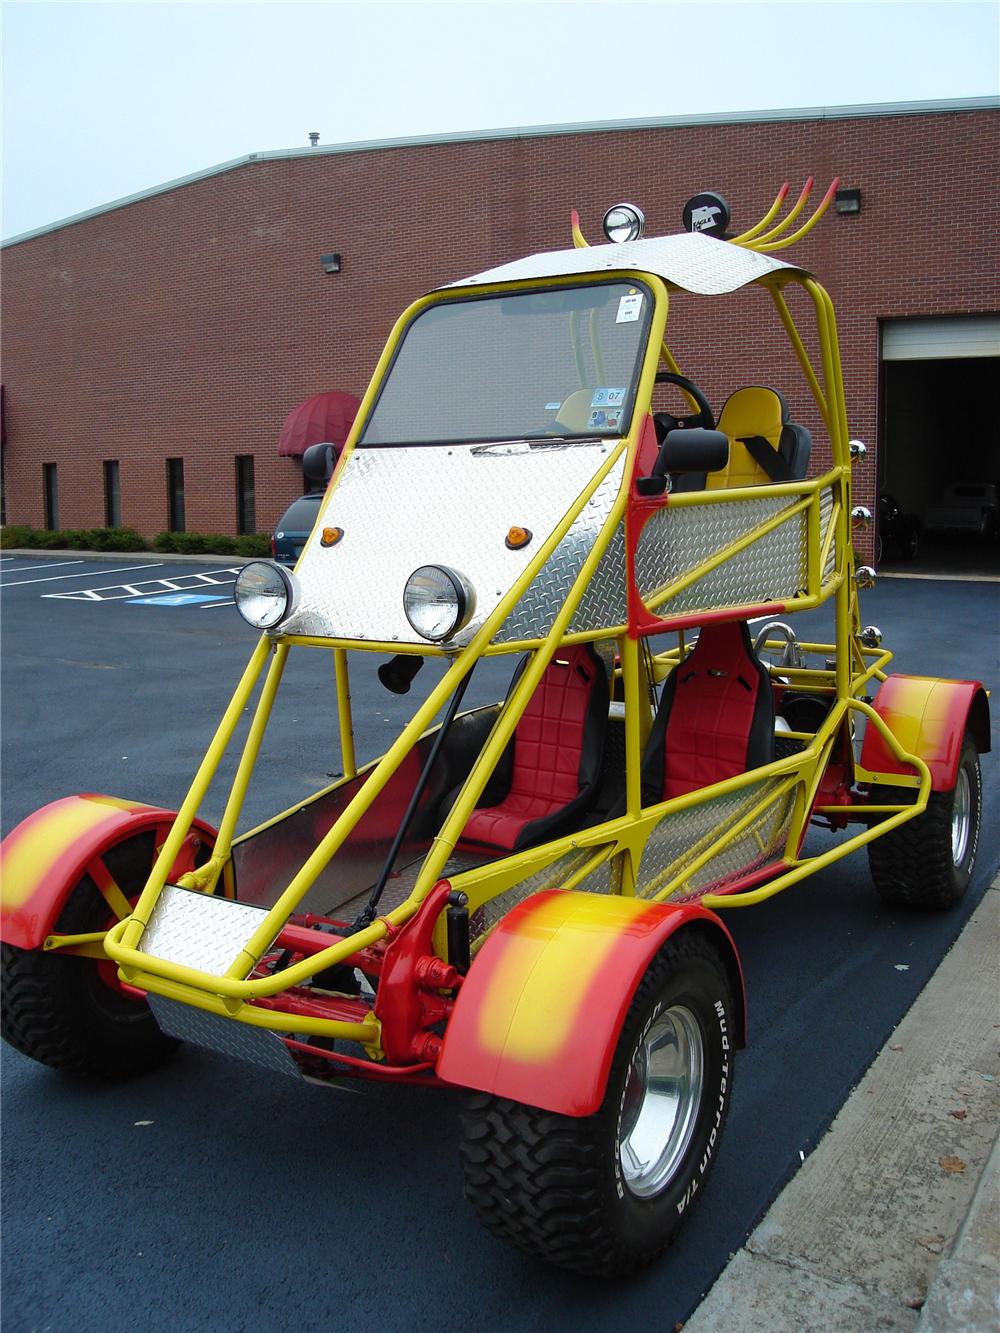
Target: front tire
{"points": [[69, 1012], [607, 1193], [928, 861]]}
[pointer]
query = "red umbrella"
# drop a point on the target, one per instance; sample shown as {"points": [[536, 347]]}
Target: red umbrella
{"points": [[325, 418]]}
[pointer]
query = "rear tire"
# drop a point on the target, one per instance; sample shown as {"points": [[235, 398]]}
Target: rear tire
{"points": [[605, 1194], [69, 1012], [928, 861]]}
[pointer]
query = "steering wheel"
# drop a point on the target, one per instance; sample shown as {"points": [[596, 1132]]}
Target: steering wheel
{"points": [[704, 417]]}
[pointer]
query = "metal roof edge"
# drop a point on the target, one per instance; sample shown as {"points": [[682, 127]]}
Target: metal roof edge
{"points": [[853, 112]]}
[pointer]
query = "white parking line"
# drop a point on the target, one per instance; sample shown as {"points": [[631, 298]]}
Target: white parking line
{"points": [[148, 588], [49, 564], [91, 573]]}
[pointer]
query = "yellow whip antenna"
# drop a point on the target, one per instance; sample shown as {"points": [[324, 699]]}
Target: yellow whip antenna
{"points": [[769, 216], [579, 240], [806, 227]]}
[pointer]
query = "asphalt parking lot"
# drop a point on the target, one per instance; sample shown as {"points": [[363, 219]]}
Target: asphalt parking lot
{"points": [[208, 1197]]}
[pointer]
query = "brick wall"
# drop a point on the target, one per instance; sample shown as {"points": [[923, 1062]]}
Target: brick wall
{"points": [[189, 323]]}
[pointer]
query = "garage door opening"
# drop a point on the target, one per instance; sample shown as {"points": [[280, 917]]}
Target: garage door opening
{"points": [[939, 457]]}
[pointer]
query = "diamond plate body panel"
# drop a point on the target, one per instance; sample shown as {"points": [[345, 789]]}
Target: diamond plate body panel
{"points": [[697, 263], [825, 514], [223, 1035], [679, 838], [400, 508], [603, 603], [677, 540], [606, 878], [198, 930]]}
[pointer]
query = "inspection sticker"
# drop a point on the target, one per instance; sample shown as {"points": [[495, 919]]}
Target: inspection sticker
{"points": [[629, 308], [608, 398], [603, 420]]}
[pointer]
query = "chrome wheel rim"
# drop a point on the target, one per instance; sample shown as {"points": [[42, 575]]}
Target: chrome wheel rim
{"points": [[961, 818], [660, 1105]]}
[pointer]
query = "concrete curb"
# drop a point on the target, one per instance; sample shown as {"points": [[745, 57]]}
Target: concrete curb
{"points": [[965, 1294], [153, 557], [908, 1168]]}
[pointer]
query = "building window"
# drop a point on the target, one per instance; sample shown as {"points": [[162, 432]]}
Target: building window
{"points": [[112, 494], [51, 496], [175, 494], [246, 517]]}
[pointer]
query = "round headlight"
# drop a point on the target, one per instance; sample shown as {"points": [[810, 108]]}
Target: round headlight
{"points": [[624, 222], [265, 594], [438, 601]]}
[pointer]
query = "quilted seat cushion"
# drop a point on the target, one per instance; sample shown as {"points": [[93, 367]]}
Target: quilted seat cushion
{"points": [[557, 755]]}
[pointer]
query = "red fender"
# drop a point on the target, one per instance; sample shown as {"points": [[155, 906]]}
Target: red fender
{"points": [[928, 717], [46, 855], [539, 1015]]}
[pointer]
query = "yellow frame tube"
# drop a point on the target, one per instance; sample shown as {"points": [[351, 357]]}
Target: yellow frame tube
{"points": [[717, 901], [345, 717], [206, 877], [134, 925], [799, 348]]}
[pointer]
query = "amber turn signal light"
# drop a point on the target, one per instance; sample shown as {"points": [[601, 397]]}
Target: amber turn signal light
{"points": [[331, 536], [516, 538]]}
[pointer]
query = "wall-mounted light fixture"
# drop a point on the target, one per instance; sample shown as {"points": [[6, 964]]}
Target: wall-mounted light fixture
{"points": [[847, 201], [331, 263]]}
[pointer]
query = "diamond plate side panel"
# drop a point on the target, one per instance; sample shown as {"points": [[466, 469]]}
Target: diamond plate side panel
{"points": [[758, 845], [605, 879], [198, 930], [825, 514], [675, 541], [400, 508], [679, 838], [223, 1035]]}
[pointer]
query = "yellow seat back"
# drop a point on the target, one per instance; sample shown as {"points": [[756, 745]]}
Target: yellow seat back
{"points": [[748, 412]]}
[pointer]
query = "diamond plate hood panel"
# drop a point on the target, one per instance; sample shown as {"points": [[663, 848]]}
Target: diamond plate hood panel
{"points": [[697, 263], [400, 508]]}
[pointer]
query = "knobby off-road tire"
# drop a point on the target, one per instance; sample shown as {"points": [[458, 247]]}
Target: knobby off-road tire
{"points": [[68, 1012], [561, 1187], [928, 861]]}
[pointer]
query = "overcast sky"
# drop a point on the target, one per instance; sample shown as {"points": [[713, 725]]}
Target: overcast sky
{"points": [[102, 100]]}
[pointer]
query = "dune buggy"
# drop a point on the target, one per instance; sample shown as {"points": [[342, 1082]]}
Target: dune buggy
{"points": [[525, 900]]}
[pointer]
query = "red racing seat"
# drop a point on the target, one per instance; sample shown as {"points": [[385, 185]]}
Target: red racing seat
{"points": [[558, 745], [715, 719]]}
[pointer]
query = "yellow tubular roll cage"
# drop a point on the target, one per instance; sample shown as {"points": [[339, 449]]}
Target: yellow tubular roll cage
{"points": [[799, 775]]}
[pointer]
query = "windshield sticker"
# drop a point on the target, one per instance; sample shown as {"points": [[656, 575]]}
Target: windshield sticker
{"points": [[629, 308], [608, 398], [604, 420]]}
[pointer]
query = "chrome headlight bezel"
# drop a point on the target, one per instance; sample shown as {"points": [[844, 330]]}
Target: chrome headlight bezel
{"points": [[627, 219], [443, 588], [272, 581]]}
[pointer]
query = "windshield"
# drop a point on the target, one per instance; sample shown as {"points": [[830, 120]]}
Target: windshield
{"points": [[542, 364]]}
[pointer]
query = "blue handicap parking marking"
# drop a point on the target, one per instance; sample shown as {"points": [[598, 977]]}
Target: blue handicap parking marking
{"points": [[177, 599]]}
